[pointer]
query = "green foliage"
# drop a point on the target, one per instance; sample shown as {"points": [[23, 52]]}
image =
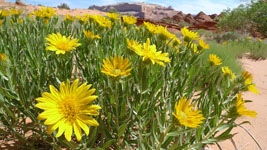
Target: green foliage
{"points": [[236, 49], [236, 19], [227, 36], [63, 6], [245, 18], [258, 14], [184, 24], [113, 10]]}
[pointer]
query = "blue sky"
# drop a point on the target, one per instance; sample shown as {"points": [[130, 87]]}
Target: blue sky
{"points": [[187, 6]]}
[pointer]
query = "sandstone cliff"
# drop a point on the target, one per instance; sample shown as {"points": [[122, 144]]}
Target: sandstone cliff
{"points": [[140, 10]]}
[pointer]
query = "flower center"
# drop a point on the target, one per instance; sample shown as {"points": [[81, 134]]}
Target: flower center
{"points": [[63, 45], [183, 116], [117, 71], [69, 110]]}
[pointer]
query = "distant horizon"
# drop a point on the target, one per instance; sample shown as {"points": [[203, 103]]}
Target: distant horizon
{"points": [[193, 7]]}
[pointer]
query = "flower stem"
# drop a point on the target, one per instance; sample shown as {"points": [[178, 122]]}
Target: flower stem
{"points": [[117, 113], [209, 135], [162, 136]]}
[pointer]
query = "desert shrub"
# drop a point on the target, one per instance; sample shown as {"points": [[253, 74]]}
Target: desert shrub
{"points": [[246, 17], [230, 36], [258, 15], [184, 24], [113, 10], [169, 20], [63, 6], [226, 36], [133, 87], [207, 34], [235, 19]]}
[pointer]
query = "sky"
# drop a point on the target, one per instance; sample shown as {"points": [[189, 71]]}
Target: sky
{"points": [[187, 6]]}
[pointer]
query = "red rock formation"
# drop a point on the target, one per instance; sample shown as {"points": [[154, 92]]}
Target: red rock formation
{"points": [[208, 25], [179, 17], [189, 19], [201, 17], [213, 16], [20, 3]]}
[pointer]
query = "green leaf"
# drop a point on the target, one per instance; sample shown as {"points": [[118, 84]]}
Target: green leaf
{"points": [[108, 143], [122, 129]]}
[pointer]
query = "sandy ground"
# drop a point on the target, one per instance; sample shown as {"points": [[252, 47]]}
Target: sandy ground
{"points": [[258, 125]]}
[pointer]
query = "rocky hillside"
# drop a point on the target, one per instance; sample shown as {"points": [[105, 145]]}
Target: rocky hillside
{"points": [[199, 21], [140, 10]]}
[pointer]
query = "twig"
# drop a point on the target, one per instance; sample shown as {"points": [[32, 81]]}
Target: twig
{"points": [[251, 137], [233, 142], [219, 146]]}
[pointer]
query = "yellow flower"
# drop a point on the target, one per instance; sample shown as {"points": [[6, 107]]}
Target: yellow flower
{"points": [[69, 18], [246, 75], [251, 87], [13, 11], [150, 27], [29, 15], [91, 35], [4, 13], [193, 47], [186, 115], [224, 43], [20, 20], [67, 109], [114, 16], [1, 22], [134, 46], [3, 57], [248, 82], [189, 35], [150, 53], [227, 72], [176, 42], [82, 19], [44, 12], [46, 21], [202, 45], [129, 19], [116, 66], [241, 109], [61, 44], [214, 60], [249, 38], [164, 32], [260, 40], [102, 21]]}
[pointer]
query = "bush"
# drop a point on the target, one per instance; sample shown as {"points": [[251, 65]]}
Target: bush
{"points": [[149, 90], [63, 6], [227, 36], [245, 18], [184, 24]]}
